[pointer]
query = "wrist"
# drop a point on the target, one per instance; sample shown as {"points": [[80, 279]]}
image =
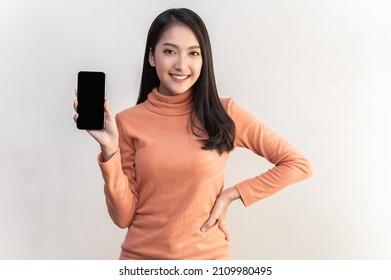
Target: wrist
{"points": [[108, 151], [231, 193]]}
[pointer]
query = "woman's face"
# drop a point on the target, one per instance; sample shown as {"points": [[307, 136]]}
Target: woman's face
{"points": [[177, 59]]}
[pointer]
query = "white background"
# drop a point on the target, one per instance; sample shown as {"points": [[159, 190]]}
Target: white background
{"points": [[317, 72]]}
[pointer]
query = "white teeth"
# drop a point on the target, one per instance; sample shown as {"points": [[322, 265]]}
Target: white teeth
{"points": [[179, 77]]}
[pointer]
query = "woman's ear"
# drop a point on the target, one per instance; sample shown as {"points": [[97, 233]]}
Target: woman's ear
{"points": [[151, 58]]}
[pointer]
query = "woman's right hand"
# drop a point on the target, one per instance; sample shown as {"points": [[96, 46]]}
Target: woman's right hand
{"points": [[108, 137]]}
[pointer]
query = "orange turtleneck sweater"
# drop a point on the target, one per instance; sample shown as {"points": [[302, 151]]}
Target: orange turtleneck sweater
{"points": [[162, 186]]}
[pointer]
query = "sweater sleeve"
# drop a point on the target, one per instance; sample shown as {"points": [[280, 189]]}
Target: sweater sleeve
{"points": [[290, 166], [120, 183]]}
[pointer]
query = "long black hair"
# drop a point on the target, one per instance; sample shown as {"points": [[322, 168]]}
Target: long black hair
{"points": [[208, 115]]}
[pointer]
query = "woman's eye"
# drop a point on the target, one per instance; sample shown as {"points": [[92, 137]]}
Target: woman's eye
{"points": [[195, 53], [169, 51]]}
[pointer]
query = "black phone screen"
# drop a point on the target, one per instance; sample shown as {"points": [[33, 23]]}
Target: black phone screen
{"points": [[90, 97]]}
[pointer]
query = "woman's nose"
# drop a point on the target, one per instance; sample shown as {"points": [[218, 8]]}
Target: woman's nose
{"points": [[181, 62]]}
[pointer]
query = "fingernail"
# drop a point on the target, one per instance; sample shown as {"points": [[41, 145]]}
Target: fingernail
{"points": [[203, 229]]}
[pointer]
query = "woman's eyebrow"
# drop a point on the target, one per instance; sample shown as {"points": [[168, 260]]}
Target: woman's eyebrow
{"points": [[175, 46]]}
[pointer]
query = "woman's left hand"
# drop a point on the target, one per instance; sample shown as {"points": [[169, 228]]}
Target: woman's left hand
{"points": [[219, 211]]}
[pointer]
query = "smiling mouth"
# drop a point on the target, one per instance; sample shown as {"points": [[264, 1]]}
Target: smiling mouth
{"points": [[179, 77]]}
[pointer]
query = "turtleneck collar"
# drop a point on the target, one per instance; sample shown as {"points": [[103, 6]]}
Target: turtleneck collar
{"points": [[169, 105]]}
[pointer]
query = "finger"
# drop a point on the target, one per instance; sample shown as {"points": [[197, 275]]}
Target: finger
{"points": [[75, 91], [75, 117], [107, 106], [224, 229], [108, 110], [209, 223], [75, 104]]}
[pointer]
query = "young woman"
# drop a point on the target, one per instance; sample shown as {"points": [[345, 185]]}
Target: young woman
{"points": [[163, 160]]}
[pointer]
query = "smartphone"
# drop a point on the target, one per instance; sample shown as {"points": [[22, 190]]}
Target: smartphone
{"points": [[90, 97]]}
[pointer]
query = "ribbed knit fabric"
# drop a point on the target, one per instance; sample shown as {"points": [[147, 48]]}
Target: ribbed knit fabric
{"points": [[162, 186]]}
